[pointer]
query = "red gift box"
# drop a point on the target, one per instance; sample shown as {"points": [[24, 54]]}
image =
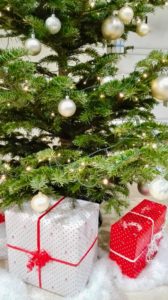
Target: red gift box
{"points": [[135, 238], [2, 218]]}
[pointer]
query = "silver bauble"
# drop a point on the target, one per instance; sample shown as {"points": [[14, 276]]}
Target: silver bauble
{"points": [[126, 14], [143, 189], [158, 188], [67, 107], [53, 24], [40, 202], [112, 28], [142, 29], [160, 88], [33, 45]]}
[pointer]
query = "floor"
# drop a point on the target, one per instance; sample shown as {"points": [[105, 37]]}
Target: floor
{"points": [[160, 293]]}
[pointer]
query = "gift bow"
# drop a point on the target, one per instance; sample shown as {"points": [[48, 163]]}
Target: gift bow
{"points": [[155, 238], [153, 246], [38, 259]]}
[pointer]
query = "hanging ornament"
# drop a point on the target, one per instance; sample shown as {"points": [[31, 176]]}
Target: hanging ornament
{"points": [[142, 28], [112, 28], [53, 24], [126, 14], [158, 188], [143, 189], [67, 107], [40, 202], [33, 45], [160, 88]]}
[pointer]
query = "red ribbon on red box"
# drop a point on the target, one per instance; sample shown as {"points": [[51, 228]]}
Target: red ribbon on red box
{"points": [[40, 257], [2, 218]]}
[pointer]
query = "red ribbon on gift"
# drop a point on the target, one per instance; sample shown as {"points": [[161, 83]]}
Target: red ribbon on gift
{"points": [[40, 257], [2, 218]]}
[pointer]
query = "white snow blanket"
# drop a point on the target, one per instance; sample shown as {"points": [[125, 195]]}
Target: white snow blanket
{"points": [[106, 282]]}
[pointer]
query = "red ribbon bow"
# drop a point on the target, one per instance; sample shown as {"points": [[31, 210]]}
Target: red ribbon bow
{"points": [[39, 259]]}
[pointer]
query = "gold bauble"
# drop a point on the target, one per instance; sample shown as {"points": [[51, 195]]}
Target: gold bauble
{"points": [[142, 29], [40, 202], [126, 14], [160, 88], [112, 28]]}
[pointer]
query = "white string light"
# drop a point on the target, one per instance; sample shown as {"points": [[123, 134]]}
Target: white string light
{"points": [[121, 95], [154, 146], [25, 86], [105, 181], [92, 3], [2, 178], [102, 96], [145, 75], [8, 8], [7, 166], [28, 168]]}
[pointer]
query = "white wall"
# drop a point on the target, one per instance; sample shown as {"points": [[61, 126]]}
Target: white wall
{"points": [[157, 39]]}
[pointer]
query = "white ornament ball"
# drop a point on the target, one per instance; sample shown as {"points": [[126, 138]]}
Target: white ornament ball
{"points": [[158, 188], [67, 107], [40, 202], [53, 24], [160, 88], [143, 188], [33, 45], [126, 14], [142, 29], [112, 28]]}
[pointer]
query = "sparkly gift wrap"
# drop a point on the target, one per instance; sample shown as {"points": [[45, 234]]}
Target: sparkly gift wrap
{"points": [[55, 250], [3, 248], [135, 238]]}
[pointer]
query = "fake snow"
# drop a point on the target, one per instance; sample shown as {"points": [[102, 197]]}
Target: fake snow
{"points": [[12, 288], [106, 281]]}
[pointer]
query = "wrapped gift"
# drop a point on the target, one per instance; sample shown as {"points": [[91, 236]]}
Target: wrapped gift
{"points": [[3, 248], [135, 237], [55, 250]]}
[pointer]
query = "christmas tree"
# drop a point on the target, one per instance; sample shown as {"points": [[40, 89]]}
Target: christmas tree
{"points": [[73, 129]]}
